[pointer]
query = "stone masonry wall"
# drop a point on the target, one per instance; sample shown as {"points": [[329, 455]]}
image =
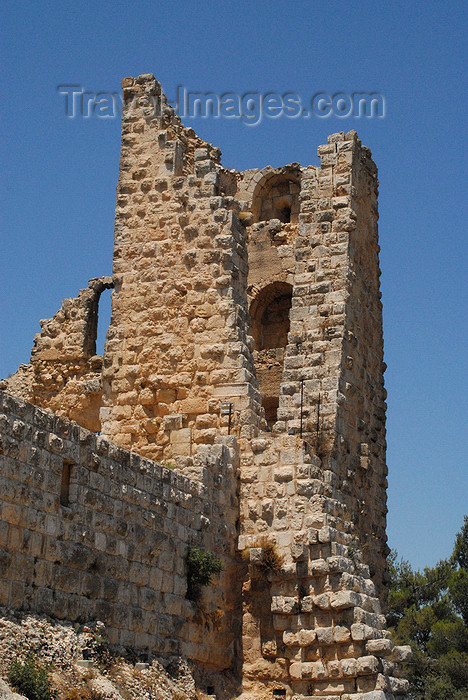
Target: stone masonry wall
{"points": [[64, 374], [259, 290], [114, 547], [305, 494], [313, 625], [177, 346], [335, 301], [361, 410]]}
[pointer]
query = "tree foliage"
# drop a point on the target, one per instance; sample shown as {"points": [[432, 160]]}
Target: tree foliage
{"points": [[429, 611]]}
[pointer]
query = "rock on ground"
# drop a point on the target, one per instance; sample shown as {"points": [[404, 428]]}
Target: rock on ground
{"points": [[110, 678]]}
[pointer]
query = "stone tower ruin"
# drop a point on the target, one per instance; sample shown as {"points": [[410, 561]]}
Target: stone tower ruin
{"points": [[245, 348]]}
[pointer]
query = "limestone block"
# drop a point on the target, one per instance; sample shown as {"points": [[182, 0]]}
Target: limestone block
{"points": [[7, 694], [348, 667], [345, 599], [298, 551], [295, 671], [340, 550], [277, 604], [318, 567], [259, 445], [181, 441], [316, 671], [333, 669], [283, 474], [324, 635], [322, 601], [367, 665], [379, 647], [173, 421], [341, 634], [313, 670], [269, 648], [290, 638], [382, 683], [284, 604], [340, 564], [327, 534], [306, 637], [361, 632], [55, 443], [368, 618], [402, 653]]}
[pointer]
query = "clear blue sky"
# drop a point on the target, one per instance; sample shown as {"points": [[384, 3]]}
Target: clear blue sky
{"points": [[59, 178]]}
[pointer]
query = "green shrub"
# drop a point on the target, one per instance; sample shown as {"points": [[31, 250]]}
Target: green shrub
{"points": [[31, 679], [201, 567]]}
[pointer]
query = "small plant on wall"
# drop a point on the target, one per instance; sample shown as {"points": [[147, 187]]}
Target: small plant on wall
{"points": [[270, 558], [202, 565]]}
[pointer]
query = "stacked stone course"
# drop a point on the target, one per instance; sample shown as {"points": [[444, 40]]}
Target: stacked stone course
{"points": [[65, 372], [245, 310], [116, 551]]}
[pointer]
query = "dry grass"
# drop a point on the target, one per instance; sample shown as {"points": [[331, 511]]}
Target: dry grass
{"points": [[271, 560]]}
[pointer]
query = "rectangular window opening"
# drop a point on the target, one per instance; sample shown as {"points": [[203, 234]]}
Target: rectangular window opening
{"points": [[65, 483]]}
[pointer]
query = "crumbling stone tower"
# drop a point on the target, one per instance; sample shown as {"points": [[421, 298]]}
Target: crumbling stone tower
{"points": [[247, 304]]}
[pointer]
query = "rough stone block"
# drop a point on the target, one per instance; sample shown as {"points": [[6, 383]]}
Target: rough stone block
{"points": [[402, 653], [345, 599], [324, 635], [306, 637], [379, 647], [367, 665]]}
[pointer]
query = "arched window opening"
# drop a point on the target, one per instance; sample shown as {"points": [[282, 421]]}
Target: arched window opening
{"points": [[278, 198], [97, 316], [103, 321], [270, 327]]}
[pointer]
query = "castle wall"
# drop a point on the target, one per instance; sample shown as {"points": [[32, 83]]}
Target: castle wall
{"points": [[64, 374], [177, 346], [312, 624], [335, 340], [112, 545], [361, 412], [258, 291]]}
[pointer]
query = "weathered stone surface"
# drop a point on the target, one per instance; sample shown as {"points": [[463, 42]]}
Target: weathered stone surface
{"points": [[402, 653], [367, 665], [345, 599], [110, 541], [245, 311], [7, 694], [380, 647]]}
